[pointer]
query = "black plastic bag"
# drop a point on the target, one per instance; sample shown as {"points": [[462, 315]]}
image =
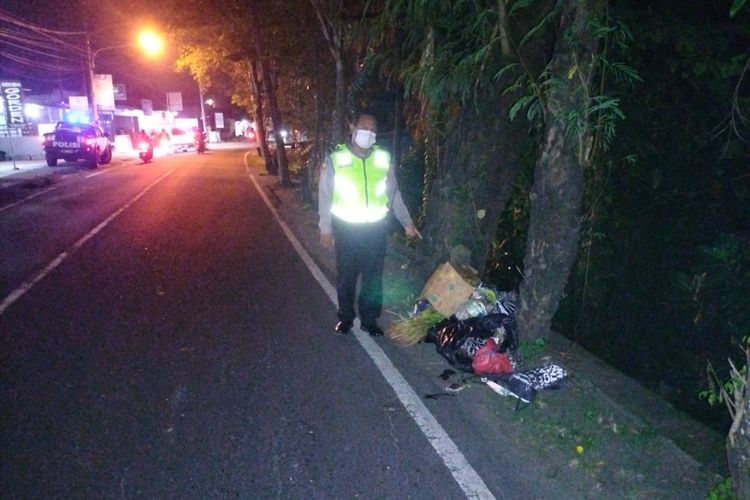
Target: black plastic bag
{"points": [[498, 320], [458, 341]]}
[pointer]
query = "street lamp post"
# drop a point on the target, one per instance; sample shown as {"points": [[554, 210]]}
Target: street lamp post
{"points": [[203, 108], [150, 42], [92, 86]]}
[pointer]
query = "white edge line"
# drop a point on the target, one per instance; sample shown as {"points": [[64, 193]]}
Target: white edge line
{"points": [[29, 284], [104, 171], [6, 207], [467, 478]]}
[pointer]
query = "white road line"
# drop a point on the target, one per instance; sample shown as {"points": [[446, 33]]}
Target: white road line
{"points": [[100, 172], [467, 478], [6, 207], [29, 284]]}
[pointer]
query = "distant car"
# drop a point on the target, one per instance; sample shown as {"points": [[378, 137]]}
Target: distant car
{"points": [[77, 141], [182, 140]]}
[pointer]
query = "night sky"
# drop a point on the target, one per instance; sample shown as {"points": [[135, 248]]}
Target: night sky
{"points": [[110, 23]]}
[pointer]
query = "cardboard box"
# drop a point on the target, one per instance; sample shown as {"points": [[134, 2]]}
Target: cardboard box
{"points": [[449, 287]]}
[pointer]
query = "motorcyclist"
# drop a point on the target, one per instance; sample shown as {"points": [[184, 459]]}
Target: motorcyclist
{"points": [[144, 137], [200, 140]]}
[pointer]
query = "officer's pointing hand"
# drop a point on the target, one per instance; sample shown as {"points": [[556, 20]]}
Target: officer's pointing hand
{"points": [[413, 232], [326, 240]]}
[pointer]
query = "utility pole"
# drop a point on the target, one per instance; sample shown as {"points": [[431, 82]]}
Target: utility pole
{"points": [[92, 85], [203, 109]]}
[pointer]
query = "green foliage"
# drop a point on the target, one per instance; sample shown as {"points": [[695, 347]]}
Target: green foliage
{"points": [[661, 284], [599, 112], [718, 289], [531, 351], [723, 491], [719, 393], [542, 25], [736, 7]]}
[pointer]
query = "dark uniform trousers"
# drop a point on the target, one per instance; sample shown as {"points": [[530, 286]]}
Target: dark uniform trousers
{"points": [[360, 250]]}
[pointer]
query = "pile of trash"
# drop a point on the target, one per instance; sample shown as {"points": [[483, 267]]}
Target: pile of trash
{"points": [[475, 335]]}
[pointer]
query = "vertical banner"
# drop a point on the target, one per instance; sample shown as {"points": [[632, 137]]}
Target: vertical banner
{"points": [[174, 101], [219, 120], [105, 96], [13, 102]]}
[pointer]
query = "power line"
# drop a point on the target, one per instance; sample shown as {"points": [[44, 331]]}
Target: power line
{"points": [[10, 18], [47, 33], [38, 64], [16, 73], [26, 37], [36, 51]]}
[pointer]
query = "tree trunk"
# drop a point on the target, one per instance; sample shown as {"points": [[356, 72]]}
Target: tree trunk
{"points": [[260, 120], [268, 85], [738, 438], [396, 149], [337, 116], [313, 162], [273, 109], [473, 182], [738, 452], [557, 193], [332, 26], [469, 177], [552, 241]]}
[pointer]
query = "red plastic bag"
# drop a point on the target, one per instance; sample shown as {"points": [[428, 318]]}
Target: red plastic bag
{"points": [[487, 361]]}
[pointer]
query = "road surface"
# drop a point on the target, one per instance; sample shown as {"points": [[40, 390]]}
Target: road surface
{"points": [[160, 337]]}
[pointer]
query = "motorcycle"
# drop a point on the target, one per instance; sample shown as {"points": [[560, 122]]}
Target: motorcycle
{"points": [[200, 143], [145, 151]]}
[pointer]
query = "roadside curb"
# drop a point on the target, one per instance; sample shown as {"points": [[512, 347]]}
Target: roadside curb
{"points": [[635, 443]]}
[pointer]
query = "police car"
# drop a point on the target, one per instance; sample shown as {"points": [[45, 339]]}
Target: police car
{"points": [[76, 141]]}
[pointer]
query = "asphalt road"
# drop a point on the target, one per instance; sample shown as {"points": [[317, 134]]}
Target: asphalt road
{"points": [[161, 338]]}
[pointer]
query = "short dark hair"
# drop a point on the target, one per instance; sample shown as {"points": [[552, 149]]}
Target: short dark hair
{"points": [[363, 112]]}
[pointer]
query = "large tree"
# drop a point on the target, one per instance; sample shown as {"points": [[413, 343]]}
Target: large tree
{"points": [[557, 193], [210, 31], [456, 59]]}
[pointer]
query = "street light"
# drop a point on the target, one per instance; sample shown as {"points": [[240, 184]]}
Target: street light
{"points": [[150, 42]]}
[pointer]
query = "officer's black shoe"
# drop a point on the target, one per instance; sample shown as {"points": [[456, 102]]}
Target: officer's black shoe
{"points": [[343, 327], [373, 329]]}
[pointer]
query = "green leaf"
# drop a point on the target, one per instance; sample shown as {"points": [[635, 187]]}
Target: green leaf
{"points": [[505, 69], [520, 5], [517, 106], [736, 6], [539, 27]]}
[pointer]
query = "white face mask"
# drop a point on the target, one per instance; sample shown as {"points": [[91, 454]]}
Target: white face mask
{"points": [[363, 138]]}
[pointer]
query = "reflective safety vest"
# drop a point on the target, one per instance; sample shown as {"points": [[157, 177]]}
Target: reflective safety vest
{"points": [[359, 185]]}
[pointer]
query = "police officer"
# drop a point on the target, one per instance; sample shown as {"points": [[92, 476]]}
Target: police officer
{"points": [[357, 190]]}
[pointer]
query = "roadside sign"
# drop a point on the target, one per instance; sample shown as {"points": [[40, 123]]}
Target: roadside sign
{"points": [[12, 99], [174, 101], [147, 106], [105, 96], [78, 103], [121, 93], [219, 120], [12, 93]]}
